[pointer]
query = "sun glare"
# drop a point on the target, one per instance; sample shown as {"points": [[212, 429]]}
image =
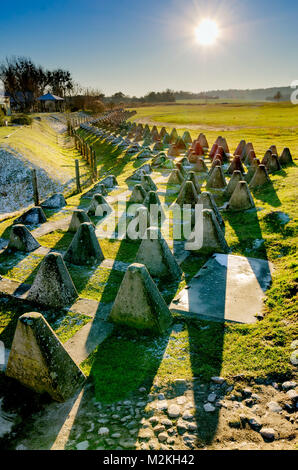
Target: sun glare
{"points": [[207, 32]]}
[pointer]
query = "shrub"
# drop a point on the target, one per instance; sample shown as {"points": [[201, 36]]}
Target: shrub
{"points": [[23, 119]]}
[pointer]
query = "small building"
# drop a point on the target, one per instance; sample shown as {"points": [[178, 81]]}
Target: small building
{"points": [[51, 102], [5, 104]]}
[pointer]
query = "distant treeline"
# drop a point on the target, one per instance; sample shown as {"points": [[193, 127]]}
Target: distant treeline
{"points": [[260, 94]]}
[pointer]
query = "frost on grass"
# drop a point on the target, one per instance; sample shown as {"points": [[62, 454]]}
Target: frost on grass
{"points": [[16, 183]]}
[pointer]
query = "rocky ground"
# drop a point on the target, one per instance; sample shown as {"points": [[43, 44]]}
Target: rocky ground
{"points": [[183, 415]]}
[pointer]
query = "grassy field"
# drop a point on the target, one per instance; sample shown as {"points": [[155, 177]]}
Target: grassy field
{"points": [[195, 348], [42, 146]]}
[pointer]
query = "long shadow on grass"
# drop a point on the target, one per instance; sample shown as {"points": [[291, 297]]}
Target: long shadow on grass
{"points": [[267, 194], [250, 241]]}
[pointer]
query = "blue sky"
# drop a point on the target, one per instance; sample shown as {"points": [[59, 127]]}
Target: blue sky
{"points": [[138, 46]]}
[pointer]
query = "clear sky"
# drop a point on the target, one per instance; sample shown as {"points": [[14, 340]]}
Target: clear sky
{"points": [[136, 46]]}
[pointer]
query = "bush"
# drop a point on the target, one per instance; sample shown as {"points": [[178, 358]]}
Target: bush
{"points": [[22, 119]]}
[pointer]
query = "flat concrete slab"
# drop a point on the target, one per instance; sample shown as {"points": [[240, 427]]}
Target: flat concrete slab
{"points": [[227, 288]]}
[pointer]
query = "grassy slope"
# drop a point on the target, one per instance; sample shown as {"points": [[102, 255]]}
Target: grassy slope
{"points": [[204, 349], [40, 145]]}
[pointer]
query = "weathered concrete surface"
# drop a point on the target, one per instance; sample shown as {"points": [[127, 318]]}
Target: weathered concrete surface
{"points": [[84, 248], [241, 198], [229, 189], [39, 361], [33, 216], [21, 239], [175, 177], [138, 194], [207, 236], [52, 285], [259, 178], [227, 288], [56, 201], [148, 183], [78, 217], [155, 254], [99, 206], [216, 179], [139, 303], [286, 157], [187, 194]]}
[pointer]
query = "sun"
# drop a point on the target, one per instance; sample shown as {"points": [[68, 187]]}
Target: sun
{"points": [[207, 32]]}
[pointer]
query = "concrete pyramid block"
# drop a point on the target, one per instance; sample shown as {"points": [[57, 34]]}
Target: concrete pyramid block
{"points": [[203, 141], [216, 180], [221, 142], [213, 151], [241, 198], [273, 149], [250, 158], [248, 147], [138, 194], [166, 140], [97, 189], [79, 216], [158, 146], [33, 216], [192, 157], [181, 168], [198, 149], [173, 151], [273, 163], [187, 137], [259, 178], [148, 183], [187, 194], [136, 229], [194, 179], [21, 239], [200, 166], [286, 157], [206, 199], [240, 148], [84, 248], [215, 162], [173, 136], [152, 203], [155, 254], [158, 160], [235, 164], [109, 181], [229, 189], [265, 160], [213, 239], [142, 170], [52, 286], [139, 303], [99, 206], [175, 177], [39, 361], [163, 132], [56, 201]]}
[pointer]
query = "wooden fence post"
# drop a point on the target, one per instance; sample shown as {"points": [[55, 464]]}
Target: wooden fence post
{"points": [[35, 188], [78, 182]]}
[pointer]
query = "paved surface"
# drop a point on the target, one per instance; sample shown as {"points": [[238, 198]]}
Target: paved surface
{"points": [[227, 288]]}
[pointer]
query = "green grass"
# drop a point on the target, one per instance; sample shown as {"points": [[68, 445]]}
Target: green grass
{"points": [[197, 349], [253, 115], [43, 147]]}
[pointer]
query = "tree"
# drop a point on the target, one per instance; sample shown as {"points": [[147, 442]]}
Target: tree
{"points": [[60, 82], [23, 80]]}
